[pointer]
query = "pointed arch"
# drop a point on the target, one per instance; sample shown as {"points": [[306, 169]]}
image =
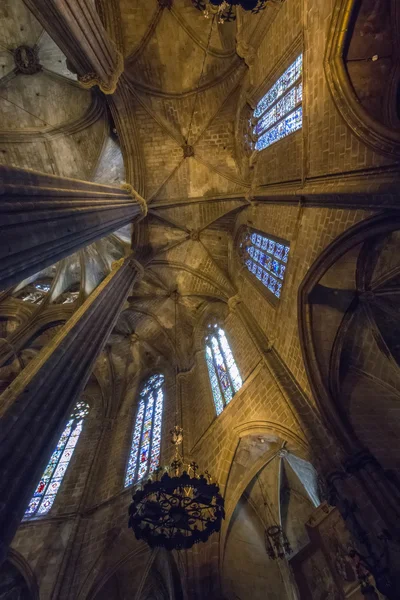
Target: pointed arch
{"points": [[144, 456]]}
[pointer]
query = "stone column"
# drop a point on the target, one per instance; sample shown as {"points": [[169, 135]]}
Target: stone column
{"points": [[368, 499], [77, 30], [36, 406], [44, 218]]}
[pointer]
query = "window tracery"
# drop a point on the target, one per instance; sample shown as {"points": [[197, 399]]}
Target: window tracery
{"points": [[266, 258], [279, 112], [51, 480], [224, 375], [144, 456], [34, 293]]}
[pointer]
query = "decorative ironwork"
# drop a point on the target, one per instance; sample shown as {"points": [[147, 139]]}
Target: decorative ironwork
{"points": [[26, 60], [225, 10], [177, 507], [276, 543]]}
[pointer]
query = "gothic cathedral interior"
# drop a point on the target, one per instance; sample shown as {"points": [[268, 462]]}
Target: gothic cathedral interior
{"points": [[199, 300]]}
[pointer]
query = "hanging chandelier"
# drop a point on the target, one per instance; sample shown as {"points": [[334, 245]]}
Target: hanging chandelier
{"points": [[225, 10], [177, 507], [276, 543]]}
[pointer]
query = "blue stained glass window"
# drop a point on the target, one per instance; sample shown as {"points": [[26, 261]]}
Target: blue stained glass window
{"points": [[145, 451], [268, 264], [279, 112], [224, 375], [51, 480]]}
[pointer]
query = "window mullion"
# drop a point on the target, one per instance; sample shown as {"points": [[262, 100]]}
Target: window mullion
{"points": [[275, 102], [215, 364], [275, 123], [226, 366], [154, 394], [141, 437]]}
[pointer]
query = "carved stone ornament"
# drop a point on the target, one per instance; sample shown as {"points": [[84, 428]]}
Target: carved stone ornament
{"points": [[26, 60], [187, 151]]}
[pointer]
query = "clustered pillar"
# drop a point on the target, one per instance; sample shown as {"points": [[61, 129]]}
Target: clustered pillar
{"points": [[44, 218], [77, 30], [36, 406]]}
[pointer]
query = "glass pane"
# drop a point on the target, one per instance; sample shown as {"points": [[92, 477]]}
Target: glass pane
{"points": [[146, 438], [131, 470], [221, 369], [146, 444], [219, 404], [233, 370], [267, 263], [156, 444], [53, 475], [284, 82], [288, 125], [284, 106]]}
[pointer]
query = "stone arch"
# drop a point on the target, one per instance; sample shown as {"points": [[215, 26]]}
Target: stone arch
{"points": [[382, 135], [260, 453], [124, 553], [360, 263], [19, 570], [216, 309]]}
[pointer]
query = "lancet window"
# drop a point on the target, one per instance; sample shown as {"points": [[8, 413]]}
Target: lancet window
{"points": [[224, 375], [265, 257], [51, 480], [279, 112], [144, 456]]}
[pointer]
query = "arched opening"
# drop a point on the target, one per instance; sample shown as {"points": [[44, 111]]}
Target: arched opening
{"points": [[17, 581], [349, 329], [283, 491]]}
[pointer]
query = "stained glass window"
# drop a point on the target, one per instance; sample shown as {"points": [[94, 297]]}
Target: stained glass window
{"points": [[144, 456], [224, 375], [266, 258], [279, 112], [51, 480]]}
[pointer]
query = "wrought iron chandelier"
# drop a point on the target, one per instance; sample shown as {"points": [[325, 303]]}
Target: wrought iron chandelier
{"points": [[225, 10], [276, 542], [177, 507]]}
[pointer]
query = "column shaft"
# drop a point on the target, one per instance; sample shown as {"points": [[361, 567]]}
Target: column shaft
{"points": [[44, 218], [77, 30], [36, 406]]}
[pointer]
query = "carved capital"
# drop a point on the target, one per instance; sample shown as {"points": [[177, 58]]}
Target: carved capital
{"points": [[247, 52], [233, 302], [139, 199], [89, 80]]}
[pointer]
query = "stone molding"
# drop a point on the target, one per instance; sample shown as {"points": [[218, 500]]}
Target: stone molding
{"points": [[45, 218], [76, 28], [134, 194], [376, 135], [95, 112]]}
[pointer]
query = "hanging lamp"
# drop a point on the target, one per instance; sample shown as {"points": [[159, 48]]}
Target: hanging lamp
{"points": [[225, 10], [176, 507]]}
